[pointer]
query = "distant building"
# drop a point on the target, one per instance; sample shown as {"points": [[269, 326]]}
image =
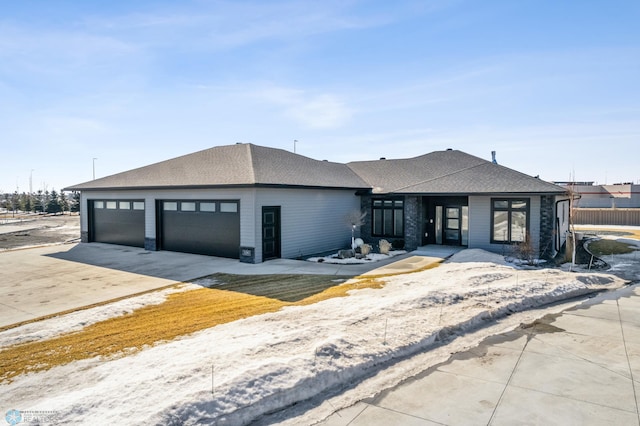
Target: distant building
{"points": [[618, 195]]}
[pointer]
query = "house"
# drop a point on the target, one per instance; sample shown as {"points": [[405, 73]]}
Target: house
{"points": [[617, 204], [257, 203], [618, 195]]}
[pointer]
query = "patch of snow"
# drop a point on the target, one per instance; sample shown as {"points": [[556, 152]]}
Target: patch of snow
{"points": [[75, 321], [236, 372], [370, 258], [523, 262]]}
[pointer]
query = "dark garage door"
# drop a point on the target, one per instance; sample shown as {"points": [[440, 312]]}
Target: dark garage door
{"points": [[202, 227], [117, 222]]}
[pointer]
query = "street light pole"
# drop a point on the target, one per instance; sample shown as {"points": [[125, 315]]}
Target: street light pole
{"points": [[94, 168]]}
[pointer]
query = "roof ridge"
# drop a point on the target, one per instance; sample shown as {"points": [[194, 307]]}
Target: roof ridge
{"points": [[252, 161], [437, 177]]}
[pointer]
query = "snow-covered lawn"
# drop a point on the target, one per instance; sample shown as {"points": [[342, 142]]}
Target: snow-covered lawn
{"points": [[370, 258], [236, 372]]}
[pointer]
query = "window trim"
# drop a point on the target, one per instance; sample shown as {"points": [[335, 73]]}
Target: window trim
{"points": [[393, 208], [510, 209]]}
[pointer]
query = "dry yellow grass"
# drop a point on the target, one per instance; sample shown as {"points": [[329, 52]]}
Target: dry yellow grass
{"points": [[626, 233], [181, 314]]}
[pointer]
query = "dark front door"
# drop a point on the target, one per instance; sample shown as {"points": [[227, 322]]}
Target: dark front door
{"points": [[270, 233], [451, 228]]}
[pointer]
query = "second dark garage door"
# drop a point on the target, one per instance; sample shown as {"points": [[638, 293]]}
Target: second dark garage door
{"points": [[208, 227]]}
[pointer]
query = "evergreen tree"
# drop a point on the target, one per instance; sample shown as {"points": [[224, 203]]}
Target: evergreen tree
{"points": [[38, 205], [25, 202], [15, 201], [64, 202], [53, 205], [75, 202]]}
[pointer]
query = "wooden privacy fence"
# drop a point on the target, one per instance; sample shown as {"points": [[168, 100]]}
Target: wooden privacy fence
{"points": [[629, 217]]}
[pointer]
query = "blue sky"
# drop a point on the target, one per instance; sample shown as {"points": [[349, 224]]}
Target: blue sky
{"points": [[553, 87]]}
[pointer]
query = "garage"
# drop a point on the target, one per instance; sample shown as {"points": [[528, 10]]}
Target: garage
{"points": [[210, 227], [117, 222]]}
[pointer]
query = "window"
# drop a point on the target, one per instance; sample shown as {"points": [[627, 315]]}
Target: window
{"points": [[98, 204], [138, 205], [509, 221], [387, 218], [112, 205], [207, 207], [170, 206], [124, 205], [229, 207], [188, 206]]}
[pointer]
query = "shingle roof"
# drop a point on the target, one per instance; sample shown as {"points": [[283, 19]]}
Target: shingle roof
{"points": [[440, 172], [233, 165], [447, 172]]}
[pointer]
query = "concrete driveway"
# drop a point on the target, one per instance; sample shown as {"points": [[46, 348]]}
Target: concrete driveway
{"points": [[580, 367], [42, 281]]}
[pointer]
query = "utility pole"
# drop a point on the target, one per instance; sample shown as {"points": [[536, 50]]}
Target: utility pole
{"points": [[94, 168], [31, 182], [295, 141]]}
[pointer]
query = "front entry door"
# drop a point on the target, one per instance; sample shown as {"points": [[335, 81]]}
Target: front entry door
{"points": [[452, 221], [270, 233]]}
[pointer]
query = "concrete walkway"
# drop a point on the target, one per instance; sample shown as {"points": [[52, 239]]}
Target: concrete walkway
{"points": [[581, 367], [42, 281]]}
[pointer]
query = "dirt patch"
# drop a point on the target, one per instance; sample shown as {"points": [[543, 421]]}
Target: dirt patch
{"points": [[626, 233], [35, 230]]}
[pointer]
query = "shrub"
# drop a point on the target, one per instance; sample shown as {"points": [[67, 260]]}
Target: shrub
{"points": [[397, 244]]}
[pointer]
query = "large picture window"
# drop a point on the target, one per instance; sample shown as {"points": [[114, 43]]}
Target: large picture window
{"points": [[509, 220], [387, 218]]}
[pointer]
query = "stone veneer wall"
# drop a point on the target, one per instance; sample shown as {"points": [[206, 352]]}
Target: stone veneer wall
{"points": [[547, 219], [150, 244], [412, 223]]}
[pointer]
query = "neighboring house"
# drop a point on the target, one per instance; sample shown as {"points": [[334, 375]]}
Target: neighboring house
{"points": [[257, 203], [618, 195]]}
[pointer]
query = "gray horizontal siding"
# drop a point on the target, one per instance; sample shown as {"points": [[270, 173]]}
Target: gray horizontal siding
{"points": [[480, 224], [312, 221]]}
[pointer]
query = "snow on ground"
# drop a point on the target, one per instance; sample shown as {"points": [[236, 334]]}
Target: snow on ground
{"points": [[55, 326], [370, 258], [236, 372]]}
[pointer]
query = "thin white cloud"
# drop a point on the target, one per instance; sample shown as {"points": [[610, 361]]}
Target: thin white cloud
{"points": [[313, 110], [224, 24], [16, 40], [322, 111]]}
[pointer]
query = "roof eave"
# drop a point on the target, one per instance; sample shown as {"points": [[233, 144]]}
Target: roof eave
{"points": [[220, 186], [473, 193]]}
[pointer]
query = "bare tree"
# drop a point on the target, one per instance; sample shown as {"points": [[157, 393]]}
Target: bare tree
{"points": [[572, 214]]}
